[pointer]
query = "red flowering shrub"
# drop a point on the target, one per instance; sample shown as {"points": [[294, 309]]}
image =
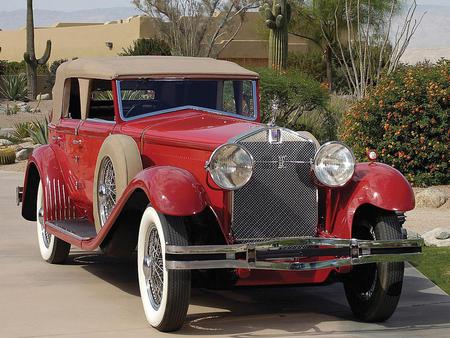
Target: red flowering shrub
{"points": [[406, 119]]}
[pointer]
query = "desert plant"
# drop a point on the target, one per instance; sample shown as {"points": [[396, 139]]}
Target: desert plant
{"points": [[7, 156], [38, 131], [310, 63], [277, 20], [52, 71], [30, 55], [3, 65], [286, 96], [21, 130], [11, 109], [406, 119], [14, 87], [147, 47]]}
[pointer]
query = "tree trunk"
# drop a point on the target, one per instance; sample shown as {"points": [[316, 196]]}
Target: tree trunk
{"points": [[329, 62]]}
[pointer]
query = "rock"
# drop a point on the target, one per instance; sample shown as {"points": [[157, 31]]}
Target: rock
{"points": [[446, 205], [412, 234], [443, 235], [4, 142], [24, 154], [431, 239], [431, 198], [6, 132], [26, 145], [16, 147], [43, 97]]}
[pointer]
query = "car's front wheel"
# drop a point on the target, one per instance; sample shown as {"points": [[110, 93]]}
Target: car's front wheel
{"points": [[52, 249], [373, 290], [165, 293]]}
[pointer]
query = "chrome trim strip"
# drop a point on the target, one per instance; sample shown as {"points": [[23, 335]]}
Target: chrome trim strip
{"points": [[360, 253]]}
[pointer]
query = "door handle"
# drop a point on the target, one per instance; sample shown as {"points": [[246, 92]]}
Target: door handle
{"points": [[77, 142], [57, 138]]}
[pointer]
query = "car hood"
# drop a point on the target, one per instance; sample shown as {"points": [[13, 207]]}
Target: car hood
{"points": [[193, 129]]}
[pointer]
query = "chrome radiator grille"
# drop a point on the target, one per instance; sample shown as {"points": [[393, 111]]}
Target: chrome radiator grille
{"points": [[280, 200]]}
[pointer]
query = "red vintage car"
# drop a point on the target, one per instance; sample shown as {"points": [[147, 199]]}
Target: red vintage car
{"points": [[166, 156]]}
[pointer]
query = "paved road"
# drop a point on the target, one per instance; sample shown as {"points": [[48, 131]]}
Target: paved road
{"points": [[93, 296]]}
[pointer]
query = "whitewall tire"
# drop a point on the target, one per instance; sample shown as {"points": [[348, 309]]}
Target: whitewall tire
{"points": [[165, 293], [52, 249]]}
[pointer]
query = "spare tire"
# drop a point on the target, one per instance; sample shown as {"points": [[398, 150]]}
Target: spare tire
{"points": [[118, 162]]}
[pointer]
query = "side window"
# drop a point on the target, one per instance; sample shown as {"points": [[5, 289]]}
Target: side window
{"points": [[101, 104], [74, 111], [238, 98]]}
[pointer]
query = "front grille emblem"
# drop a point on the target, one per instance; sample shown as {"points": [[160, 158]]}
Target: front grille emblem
{"points": [[281, 162], [275, 136]]}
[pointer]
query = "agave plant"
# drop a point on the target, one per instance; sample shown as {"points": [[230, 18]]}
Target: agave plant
{"points": [[38, 131], [21, 130], [14, 87]]}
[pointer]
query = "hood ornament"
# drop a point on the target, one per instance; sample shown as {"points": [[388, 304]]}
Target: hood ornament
{"points": [[272, 121]]}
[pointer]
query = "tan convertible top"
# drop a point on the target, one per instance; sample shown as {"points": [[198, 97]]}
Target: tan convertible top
{"points": [[108, 68], [122, 67]]}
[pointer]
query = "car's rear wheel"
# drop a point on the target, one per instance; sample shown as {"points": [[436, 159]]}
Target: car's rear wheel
{"points": [[52, 249], [373, 290], [165, 293]]}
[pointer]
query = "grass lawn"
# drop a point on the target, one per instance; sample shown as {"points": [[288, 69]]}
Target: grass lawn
{"points": [[435, 264]]}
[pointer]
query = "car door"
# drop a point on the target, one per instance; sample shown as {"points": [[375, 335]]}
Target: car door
{"points": [[98, 122], [62, 135]]}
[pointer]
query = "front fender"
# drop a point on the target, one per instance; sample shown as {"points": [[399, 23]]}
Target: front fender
{"points": [[42, 165], [373, 184], [171, 191]]}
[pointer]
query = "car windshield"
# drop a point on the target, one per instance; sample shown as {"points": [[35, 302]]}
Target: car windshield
{"points": [[140, 98]]}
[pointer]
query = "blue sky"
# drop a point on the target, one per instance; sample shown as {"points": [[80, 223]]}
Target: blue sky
{"points": [[65, 5]]}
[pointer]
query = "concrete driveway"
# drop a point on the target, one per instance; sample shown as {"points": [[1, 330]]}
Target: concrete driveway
{"points": [[94, 296]]}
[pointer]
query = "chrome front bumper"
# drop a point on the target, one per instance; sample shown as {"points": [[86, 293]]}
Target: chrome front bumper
{"points": [[279, 254]]}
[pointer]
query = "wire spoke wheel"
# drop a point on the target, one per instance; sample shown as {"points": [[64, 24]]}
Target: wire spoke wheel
{"points": [[46, 237], [106, 189], [153, 268]]}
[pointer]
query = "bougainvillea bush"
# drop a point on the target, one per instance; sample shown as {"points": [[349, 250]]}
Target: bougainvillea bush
{"points": [[406, 119]]}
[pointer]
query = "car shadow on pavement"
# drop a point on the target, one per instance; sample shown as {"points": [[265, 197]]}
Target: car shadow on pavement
{"points": [[248, 311]]}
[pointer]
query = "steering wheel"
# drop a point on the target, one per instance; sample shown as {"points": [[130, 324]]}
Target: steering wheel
{"points": [[133, 107]]}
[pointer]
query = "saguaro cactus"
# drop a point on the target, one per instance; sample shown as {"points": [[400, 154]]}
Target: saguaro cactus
{"points": [[30, 55], [277, 20]]}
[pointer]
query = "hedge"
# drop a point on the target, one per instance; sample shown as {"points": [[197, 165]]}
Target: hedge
{"points": [[406, 119]]}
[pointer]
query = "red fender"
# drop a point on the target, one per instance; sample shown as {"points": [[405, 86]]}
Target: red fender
{"points": [[171, 191], [43, 164], [375, 184]]}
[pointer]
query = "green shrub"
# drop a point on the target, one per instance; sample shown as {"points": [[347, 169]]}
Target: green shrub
{"points": [[406, 119], [147, 47], [3, 67], [311, 63], [286, 97], [52, 72], [38, 131], [13, 87]]}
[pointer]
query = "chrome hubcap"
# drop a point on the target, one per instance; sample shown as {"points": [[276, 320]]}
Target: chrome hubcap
{"points": [[106, 189], [153, 268]]}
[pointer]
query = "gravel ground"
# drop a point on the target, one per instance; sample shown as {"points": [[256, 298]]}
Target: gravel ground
{"points": [[8, 121]]}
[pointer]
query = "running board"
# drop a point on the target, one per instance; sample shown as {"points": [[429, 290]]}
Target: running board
{"points": [[77, 229]]}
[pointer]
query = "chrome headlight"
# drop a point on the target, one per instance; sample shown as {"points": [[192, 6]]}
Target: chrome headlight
{"points": [[334, 164], [230, 166]]}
